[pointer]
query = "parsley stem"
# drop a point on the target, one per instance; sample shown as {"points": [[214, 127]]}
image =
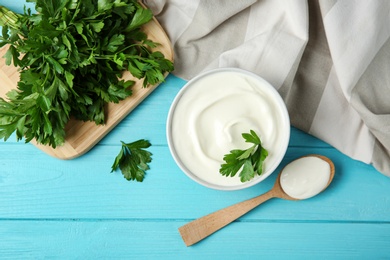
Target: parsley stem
{"points": [[110, 56], [134, 45], [9, 18]]}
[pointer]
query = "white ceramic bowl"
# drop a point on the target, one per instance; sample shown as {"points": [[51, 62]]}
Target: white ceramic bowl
{"points": [[277, 154]]}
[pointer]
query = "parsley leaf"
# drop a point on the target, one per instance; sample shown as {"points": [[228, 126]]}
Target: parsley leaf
{"points": [[249, 161], [133, 160]]}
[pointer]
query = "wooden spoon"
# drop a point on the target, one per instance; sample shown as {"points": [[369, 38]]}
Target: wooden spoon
{"points": [[201, 228]]}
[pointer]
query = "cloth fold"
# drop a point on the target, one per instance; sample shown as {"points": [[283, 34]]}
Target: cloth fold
{"points": [[329, 60]]}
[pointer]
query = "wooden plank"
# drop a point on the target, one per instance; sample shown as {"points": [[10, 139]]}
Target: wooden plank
{"points": [[82, 136], [44, 187], [120, 239]]}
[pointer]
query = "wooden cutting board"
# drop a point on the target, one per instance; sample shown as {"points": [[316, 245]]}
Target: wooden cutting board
{"points": [[82, 136]]}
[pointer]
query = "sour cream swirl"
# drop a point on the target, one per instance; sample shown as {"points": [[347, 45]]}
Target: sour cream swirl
{"points": [[210, 114]]}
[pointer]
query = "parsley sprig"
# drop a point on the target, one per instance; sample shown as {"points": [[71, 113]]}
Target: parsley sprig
{"points": [[133, 160], [71, 55], [249, 161]]}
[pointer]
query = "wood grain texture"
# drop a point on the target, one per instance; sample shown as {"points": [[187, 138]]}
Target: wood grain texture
{"points": [[33, 185], [82, 136], [121, 239], [84, 211]]}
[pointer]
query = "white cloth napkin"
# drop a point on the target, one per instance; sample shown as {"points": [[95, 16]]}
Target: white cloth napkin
{"points": [[329, 60]]}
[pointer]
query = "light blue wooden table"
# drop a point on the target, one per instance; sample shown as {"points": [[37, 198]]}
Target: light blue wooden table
{"points": [[77, 209]]}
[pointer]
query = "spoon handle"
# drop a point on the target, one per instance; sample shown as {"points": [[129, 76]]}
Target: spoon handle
{"points": [[202, 227]]}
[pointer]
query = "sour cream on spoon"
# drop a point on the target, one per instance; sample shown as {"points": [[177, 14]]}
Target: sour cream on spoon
{"points": [[305, 177]]}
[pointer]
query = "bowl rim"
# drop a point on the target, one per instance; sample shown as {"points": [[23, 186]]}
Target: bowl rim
{"points": [[193, 176]]}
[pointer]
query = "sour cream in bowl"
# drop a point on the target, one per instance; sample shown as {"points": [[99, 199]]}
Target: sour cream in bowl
{"points": [[208, 116]]}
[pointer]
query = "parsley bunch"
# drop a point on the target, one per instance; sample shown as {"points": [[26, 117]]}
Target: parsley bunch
{"points": [[71, 54], [249, 161]]}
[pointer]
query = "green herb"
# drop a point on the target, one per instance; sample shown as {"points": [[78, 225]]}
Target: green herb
{"points": [[133, 160], [71, 54], [249, 161]]}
